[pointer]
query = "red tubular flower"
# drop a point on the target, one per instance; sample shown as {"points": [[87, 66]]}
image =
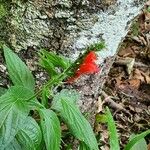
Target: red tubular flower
{"points": [[90, 58], [87, 67]]}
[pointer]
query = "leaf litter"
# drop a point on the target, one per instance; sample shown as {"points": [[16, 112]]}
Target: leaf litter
{"points": [[127, 89]]}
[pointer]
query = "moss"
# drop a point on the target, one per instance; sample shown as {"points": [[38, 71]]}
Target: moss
{"points": [[135, 28], [97, 46], [3, 11], [5, 6]]}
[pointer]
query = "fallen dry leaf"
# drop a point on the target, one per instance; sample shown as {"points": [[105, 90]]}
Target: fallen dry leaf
{"points": [[147, 77], [127, 52], [144, 77], [128, 62], [129, 85], [148, 3], [147, 15], [134, 83]]}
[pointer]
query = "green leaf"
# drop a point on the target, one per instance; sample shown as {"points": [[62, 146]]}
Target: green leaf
{"points": [[83, 146], [2, 91], [34, 104], [76, 122], [65, 94], [51, 129], [113, 136], [13, 112], [46, 93], [50, 61], [140, 145], [136, 139], [14, 145], [29, 136], [18, 71]]}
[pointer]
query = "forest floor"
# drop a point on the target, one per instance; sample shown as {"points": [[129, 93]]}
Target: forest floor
{"points": [[127, 89]]}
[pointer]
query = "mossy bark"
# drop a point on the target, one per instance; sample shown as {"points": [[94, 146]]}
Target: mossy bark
{"points": [[47, 23], [4, 13]]}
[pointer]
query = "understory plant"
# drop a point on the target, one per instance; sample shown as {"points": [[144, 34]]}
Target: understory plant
{"points": [[31, 119], [136, 141]]}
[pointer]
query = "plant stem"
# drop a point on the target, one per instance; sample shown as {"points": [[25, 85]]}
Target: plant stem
{"points": [[58, 79], [63, 75]]}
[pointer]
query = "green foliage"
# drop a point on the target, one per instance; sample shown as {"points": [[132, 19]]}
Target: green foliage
{"points": [[13, 112], [64, 94], [3, 11], [19, 131], [51, 129], [16, 129], [18, 71], [101, 118], [148, 9], [135, 28], [83, 146], [76, 122], [113, 137], [137, 142], [45, 96], [14, 145], [136, 139], [53, 63], [140, 145], [97, 46], [2, 91], [29, 135]]}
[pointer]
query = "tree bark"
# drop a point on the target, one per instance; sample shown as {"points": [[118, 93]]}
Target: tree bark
{"points": [[68, 26]]}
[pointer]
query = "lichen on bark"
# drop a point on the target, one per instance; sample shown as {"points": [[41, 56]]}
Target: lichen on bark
{"points": [[53, 24], [4, 7]]}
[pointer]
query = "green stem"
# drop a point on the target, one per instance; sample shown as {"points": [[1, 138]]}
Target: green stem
{"points": [[59, 78], [48, 84], [62, 76]]}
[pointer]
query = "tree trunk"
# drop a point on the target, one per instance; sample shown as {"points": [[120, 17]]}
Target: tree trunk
{"points": [[68, 26]]}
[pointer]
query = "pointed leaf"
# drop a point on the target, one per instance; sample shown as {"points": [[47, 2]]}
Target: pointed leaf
{"points": [[113, 136], [14, 145], [141, 144], [67, 95], [13, 112], [136, 139], [29, 136], [2, 91], [83, 146], [76, 122], [18, 71], [51, 129], [57, 61], [50, 61]]}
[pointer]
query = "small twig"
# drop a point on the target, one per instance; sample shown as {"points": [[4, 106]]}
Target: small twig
{"points": [[140, 64], [113, 104], [99, 105]]}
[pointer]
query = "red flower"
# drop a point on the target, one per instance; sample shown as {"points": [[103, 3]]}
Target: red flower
{"points": [[90, 58], [87, 67]]}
